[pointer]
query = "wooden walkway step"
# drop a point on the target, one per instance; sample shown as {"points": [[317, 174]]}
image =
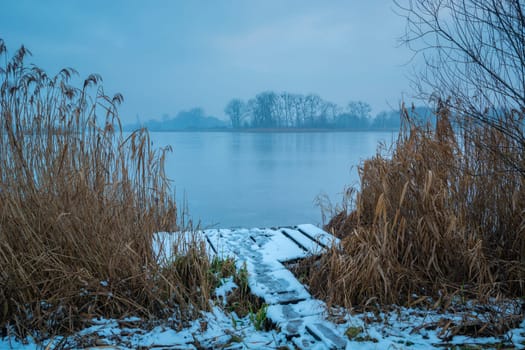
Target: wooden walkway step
{"points": [[263, 251]]}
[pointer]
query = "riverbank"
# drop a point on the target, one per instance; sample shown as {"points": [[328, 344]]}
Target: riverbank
{"points": [[270, 130], [290, 317], [401, 328]]}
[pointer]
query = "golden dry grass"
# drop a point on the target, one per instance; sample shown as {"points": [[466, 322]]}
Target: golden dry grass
{"points": [[442, 214], [79, 203]]}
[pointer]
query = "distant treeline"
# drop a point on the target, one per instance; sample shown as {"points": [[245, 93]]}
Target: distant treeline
{"points": [[287, 110], [270, 110], [193, 119]]}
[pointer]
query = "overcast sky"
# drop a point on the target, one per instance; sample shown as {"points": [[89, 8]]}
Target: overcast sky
{"points": [[166, 56]]}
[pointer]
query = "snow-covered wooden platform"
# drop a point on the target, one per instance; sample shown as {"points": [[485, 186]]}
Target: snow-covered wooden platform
{"points": [[263, 251]]}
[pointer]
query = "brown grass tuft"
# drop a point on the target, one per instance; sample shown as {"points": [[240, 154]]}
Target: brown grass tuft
{"points": [[79, 203], [443, 214]]}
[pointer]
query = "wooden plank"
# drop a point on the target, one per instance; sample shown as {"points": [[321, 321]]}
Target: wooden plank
{"points": [[260, 237], [305, 242], [324, 332], [301, 337], [305, 341], [281, 248], [215, 238], [277, 287], [320, 236], [280, 313]]}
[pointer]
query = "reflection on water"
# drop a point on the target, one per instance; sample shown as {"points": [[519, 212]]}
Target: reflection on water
{"points": [[263, 179]]}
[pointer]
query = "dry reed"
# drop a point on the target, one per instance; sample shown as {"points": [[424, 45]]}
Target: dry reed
{"points": [[442, 215], [79, 203]]}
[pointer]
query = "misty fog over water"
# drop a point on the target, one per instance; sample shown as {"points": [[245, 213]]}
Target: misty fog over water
{"points": [[263, 179]]}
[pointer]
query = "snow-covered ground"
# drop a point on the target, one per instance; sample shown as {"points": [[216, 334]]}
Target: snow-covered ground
{"points": [[300, 321], [401, 329]]}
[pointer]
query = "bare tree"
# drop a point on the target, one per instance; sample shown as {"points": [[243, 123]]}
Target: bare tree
{"points": [[264, 110], [235, 109], [474, 62], [287, 109]]}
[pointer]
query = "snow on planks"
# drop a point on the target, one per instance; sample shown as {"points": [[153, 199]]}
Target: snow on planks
{"points": [[291, 307]]}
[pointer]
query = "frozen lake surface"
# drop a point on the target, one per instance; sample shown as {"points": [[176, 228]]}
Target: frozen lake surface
{"points": [[263, 179]]}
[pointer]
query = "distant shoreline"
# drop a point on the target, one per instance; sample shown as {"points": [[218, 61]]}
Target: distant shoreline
{"points": [[273, 130]]}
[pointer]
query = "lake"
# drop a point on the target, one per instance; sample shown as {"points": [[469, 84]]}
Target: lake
{"points": [[263, 179]]}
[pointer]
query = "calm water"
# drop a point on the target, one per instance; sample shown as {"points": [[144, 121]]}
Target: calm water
{"points": [[263, 179]]}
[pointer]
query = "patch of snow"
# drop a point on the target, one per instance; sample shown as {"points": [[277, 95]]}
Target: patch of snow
{"points": [[227, 285], [162, 337]]}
